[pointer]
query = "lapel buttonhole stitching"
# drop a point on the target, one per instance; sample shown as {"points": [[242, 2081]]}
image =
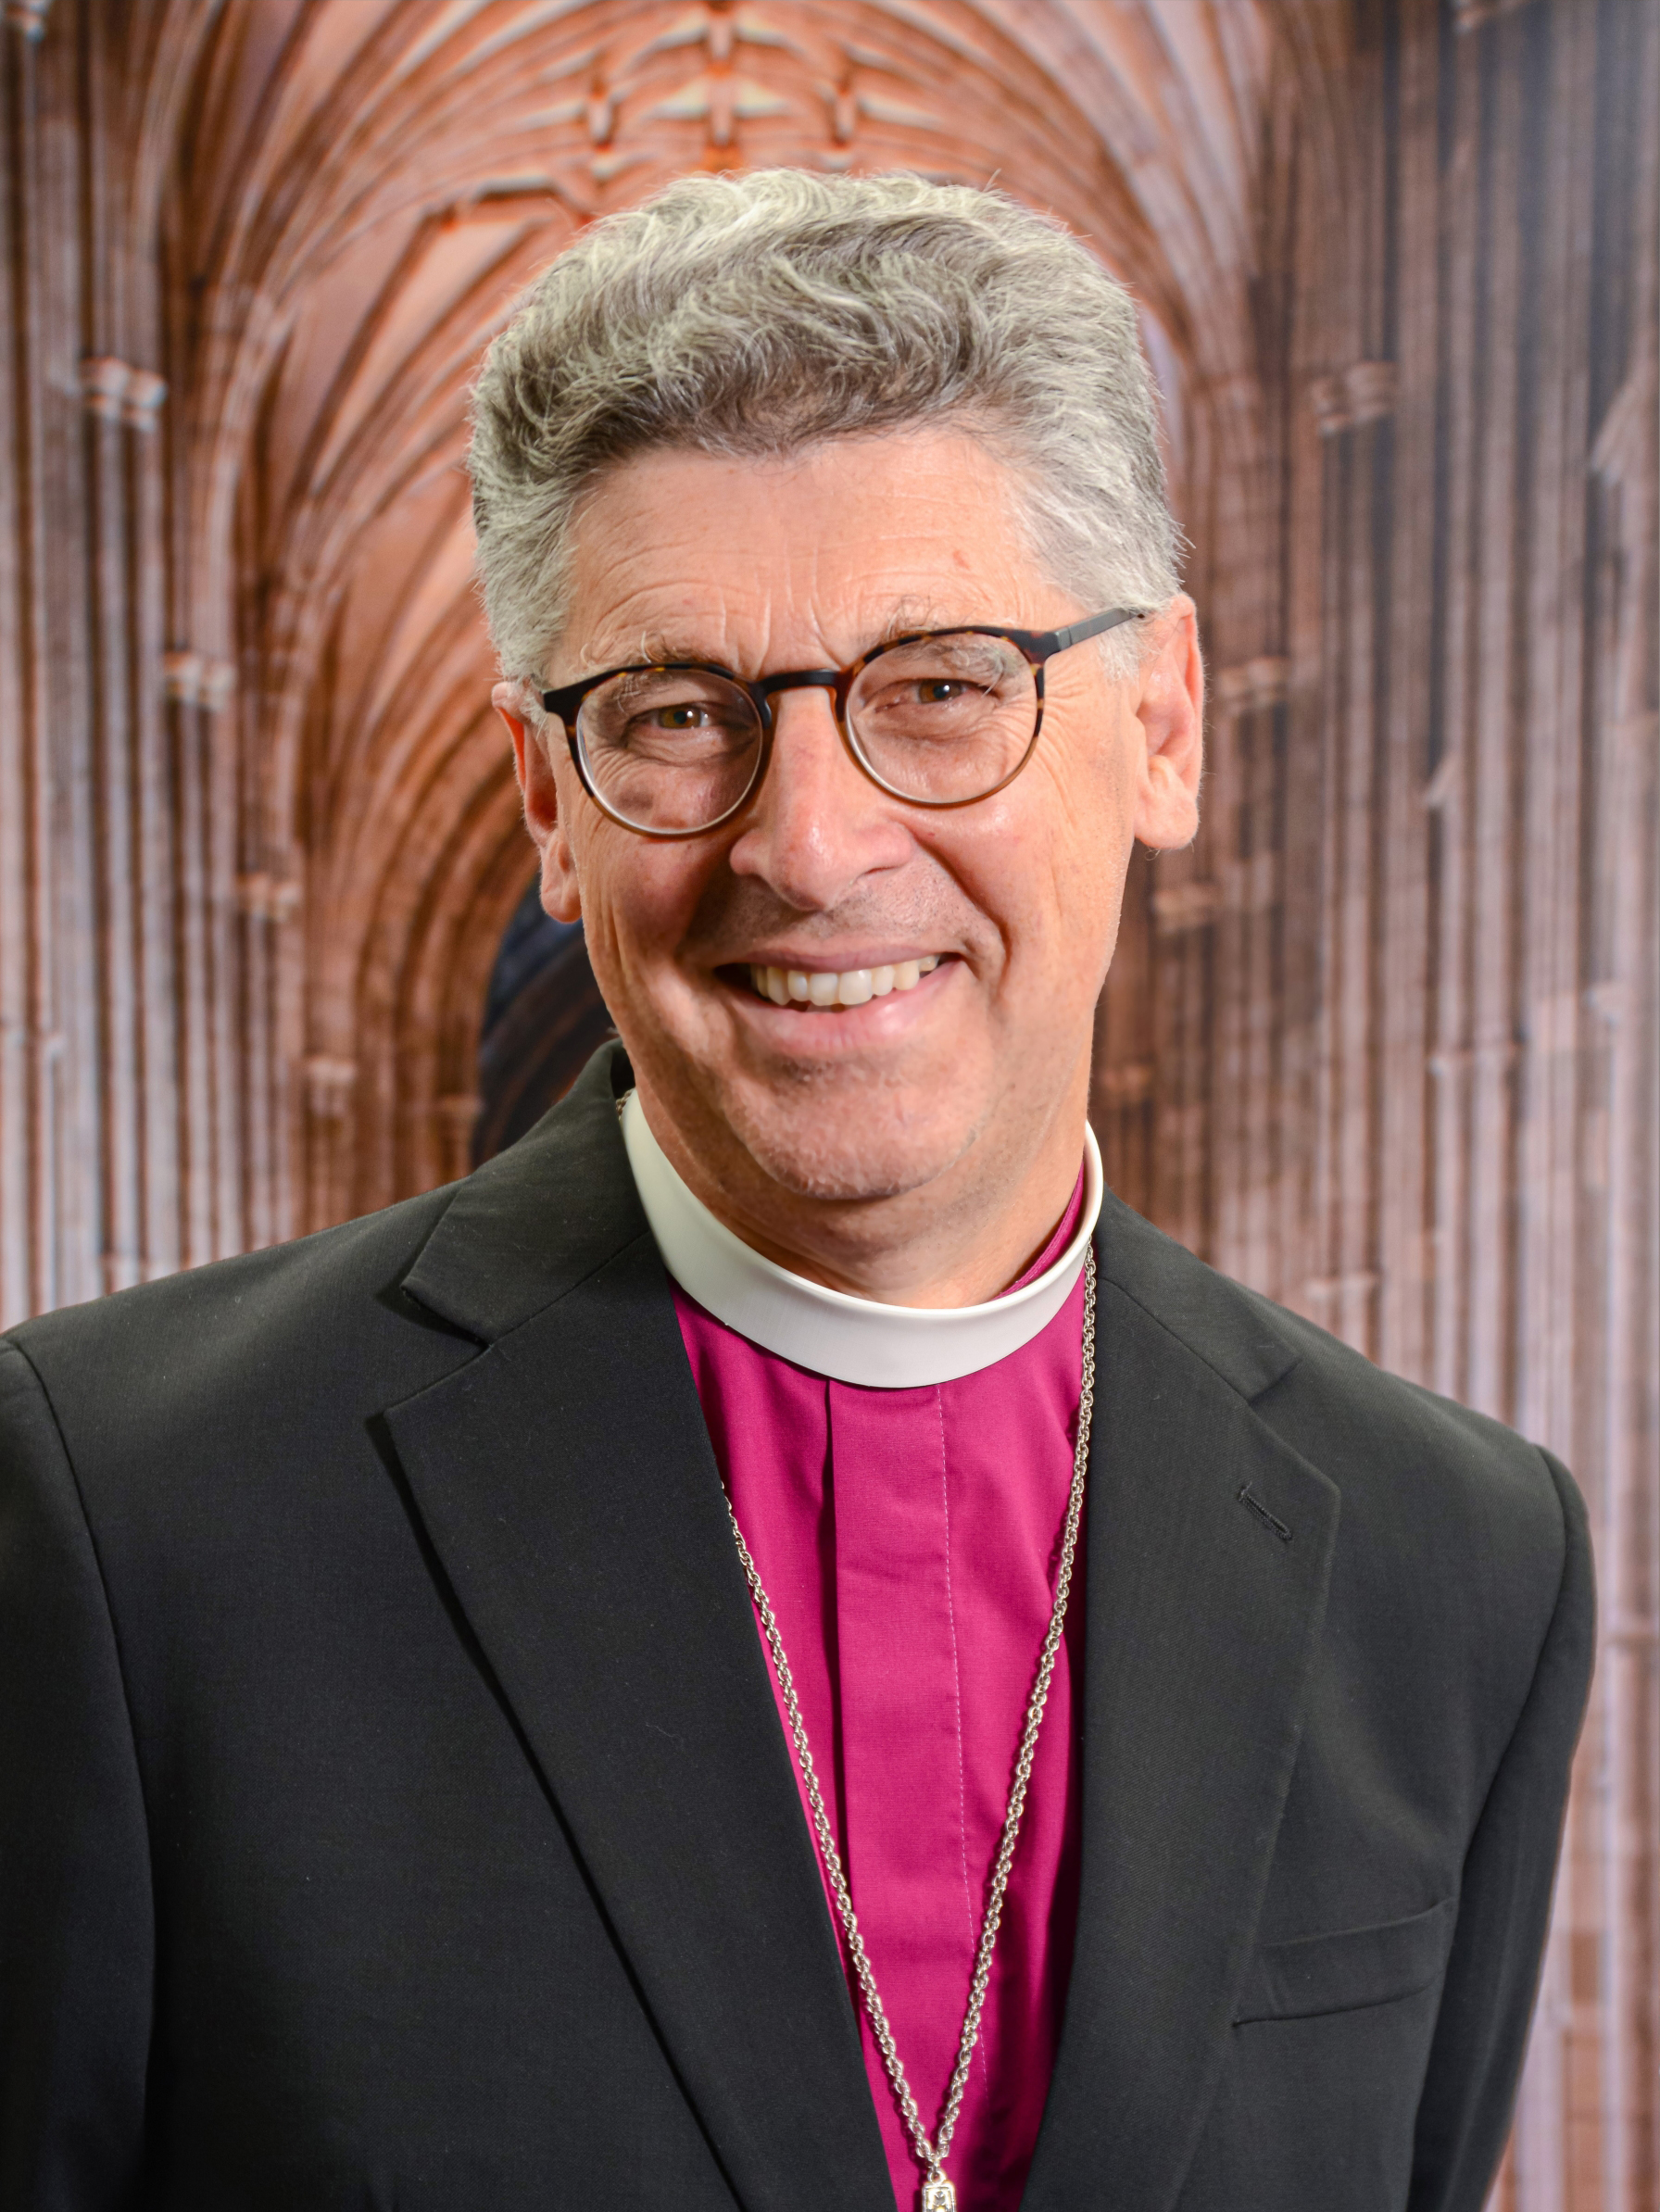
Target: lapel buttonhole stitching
{"points": [[1247, 1495]]}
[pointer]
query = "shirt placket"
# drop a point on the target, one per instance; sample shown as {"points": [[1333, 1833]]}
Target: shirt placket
{"points": [[902, 1728]]}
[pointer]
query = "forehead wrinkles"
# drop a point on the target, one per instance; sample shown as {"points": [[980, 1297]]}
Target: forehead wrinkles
{"points": [[711, 639], [794, 565]]}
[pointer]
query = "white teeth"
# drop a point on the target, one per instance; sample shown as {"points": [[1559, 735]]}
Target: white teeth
{"points": [[849, 986]]}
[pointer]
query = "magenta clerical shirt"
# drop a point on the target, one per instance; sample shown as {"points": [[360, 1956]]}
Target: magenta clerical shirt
{"points": [[908, 1538]]}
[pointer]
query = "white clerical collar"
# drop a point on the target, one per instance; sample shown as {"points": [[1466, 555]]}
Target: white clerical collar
{"points": [[851, 1339]]}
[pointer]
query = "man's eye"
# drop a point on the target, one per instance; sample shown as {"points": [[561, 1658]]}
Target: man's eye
{"points": [[939, 691], [689, 717]]}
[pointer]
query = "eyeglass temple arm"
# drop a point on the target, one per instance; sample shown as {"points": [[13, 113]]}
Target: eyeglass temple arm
{"points": [[1057, 640]]}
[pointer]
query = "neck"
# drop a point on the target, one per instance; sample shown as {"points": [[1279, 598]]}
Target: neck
{"points": [[957, 1239]]}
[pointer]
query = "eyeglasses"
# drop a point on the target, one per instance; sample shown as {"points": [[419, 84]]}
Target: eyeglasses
{"points": [[939, 717]]}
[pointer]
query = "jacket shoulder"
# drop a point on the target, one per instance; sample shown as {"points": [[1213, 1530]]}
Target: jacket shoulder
{"points": [[1433, 1471], [1433, 1455], [287, 1321], [1461, 1556], [297, 1347]]}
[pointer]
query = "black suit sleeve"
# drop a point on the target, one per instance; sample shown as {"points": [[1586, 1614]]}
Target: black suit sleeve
{"points": [[1505, 1905], [76, 1920]]}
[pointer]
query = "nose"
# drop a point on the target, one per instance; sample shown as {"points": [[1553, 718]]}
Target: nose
{"points": [[817, 825]]}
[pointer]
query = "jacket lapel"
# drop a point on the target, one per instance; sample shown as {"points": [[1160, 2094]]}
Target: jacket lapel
{"points": [[567, 1483], [566, 1480], [1203, 1620]]}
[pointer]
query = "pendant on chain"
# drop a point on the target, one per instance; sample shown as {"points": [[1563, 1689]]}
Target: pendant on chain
{"points": [[938, 2196]]}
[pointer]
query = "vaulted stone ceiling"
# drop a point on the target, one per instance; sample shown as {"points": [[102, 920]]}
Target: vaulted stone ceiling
{"points": [[1382, 1044], [354, 193]]}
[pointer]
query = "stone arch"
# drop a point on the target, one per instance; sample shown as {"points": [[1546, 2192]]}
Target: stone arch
{"points": [[1383, 1044], [361, 195]]}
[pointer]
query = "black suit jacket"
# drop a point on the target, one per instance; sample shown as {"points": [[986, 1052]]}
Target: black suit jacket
{"points": [[394, 1811]]}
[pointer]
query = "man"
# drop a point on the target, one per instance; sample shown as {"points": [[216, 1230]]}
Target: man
{"points": [[599, 1686]]}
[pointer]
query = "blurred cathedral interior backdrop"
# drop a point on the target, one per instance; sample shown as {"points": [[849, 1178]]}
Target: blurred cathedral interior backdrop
{"points": [[1383, 1043]]}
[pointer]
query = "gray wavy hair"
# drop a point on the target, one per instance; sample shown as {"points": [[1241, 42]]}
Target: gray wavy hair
{"points": [[762, 313]]}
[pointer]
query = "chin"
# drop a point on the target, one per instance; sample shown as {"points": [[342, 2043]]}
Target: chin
{"points": [[848, 1150]]}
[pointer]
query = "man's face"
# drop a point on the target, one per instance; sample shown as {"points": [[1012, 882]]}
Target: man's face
{"points": [[763, 566]]}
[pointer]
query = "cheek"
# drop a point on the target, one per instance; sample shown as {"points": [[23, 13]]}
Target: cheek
{"points": [[1046, 867], [639, 901], [1092, 794]]}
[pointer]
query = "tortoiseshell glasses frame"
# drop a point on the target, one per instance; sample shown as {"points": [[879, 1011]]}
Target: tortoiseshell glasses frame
{"points": [[1035, 647]]}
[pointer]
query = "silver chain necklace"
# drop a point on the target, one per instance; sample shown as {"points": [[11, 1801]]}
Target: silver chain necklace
{"points": [[937, 2193]]}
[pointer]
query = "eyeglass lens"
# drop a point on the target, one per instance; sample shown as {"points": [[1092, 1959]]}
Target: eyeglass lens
{"points": [[670, 748], [940, 721]]}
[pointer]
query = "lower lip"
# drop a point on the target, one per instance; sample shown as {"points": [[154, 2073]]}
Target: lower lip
{"points": [[822, 1029]]}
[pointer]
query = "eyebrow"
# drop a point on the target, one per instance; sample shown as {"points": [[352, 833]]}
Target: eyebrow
{"points": [[659, 648]]}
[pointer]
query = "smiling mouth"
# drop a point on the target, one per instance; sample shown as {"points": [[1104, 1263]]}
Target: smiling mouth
{"points": [[829, 987]]}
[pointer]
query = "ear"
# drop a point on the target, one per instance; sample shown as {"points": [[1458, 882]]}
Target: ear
{"points": [[533, 763], [1171, 711]]}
